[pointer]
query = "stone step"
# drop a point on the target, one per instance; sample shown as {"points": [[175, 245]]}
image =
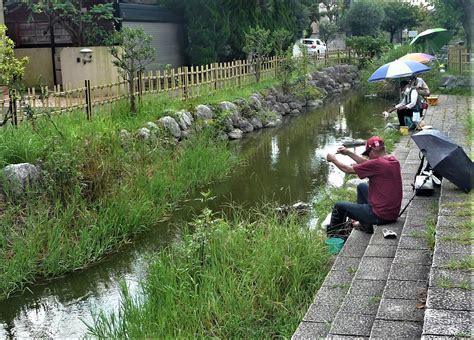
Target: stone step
{"points": [[347, 303], [400, 289]]}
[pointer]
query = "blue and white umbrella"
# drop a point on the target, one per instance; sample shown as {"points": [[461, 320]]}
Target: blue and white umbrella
{"points": [[398, 69]]}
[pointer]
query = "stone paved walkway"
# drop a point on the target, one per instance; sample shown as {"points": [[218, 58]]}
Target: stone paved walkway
{"points": [[403, 287]]}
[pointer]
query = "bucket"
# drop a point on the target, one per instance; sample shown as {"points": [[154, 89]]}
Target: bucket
{"points": [[403, 130], [334, 244]]}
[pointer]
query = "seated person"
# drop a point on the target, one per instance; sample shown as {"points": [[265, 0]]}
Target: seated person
{"points": [[423, 90], [379, 201], [406, 105], [420, 85]]}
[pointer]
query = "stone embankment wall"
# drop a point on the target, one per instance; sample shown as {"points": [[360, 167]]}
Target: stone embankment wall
{"points": [[234, 119], [261, 110]]}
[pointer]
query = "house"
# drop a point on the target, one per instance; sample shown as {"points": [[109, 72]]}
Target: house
{"points": [[32, 37]]}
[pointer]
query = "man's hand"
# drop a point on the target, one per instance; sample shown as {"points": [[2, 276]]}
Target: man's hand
{"points": [[331, 157], [343, 151]]}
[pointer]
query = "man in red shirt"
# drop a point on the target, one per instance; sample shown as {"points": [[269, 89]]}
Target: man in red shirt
{"points": [[379, 201]]}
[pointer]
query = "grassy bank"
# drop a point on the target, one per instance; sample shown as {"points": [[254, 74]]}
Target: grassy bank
{"points": [[96, 193], [249, 276]]}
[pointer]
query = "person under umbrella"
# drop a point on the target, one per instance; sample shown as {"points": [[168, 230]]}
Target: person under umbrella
{"points": [[407, 105]]}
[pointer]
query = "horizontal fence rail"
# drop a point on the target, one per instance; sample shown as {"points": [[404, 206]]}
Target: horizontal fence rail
{"points": [[182, 82]]}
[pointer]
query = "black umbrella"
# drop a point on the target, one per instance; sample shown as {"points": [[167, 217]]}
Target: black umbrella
{"points": [[446, 158]]}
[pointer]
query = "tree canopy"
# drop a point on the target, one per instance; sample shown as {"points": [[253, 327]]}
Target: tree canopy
{"points": [[11, 68], [453, 15], [216, 28], [363, 19], [398, 16], [88, 22]]}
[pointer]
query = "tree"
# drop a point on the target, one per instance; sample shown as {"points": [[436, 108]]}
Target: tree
{"points": [[398, 15], [88, 23], [11, 68], [327, 31], [449, 13], [258, 45], [281, 39], [132, 54], [363, 18]]}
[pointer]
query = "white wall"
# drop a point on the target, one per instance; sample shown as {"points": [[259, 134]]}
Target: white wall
{"points": [[99, 71]]}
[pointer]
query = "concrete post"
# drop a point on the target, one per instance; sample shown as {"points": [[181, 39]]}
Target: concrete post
{"points": [[2, 18]]}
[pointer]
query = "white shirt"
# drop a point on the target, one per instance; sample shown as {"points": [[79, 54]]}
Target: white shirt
{"points": [[410, 97]]}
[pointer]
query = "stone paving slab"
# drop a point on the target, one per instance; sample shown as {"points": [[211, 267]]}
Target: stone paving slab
{"points": [[311, 330], [446, 278], [379, 250], [445, 260], [374, 268], [352, 324], [411, 242], [396, 289], [416, 256], [452, 298], [360, 304], [336, 278], [446, 246], [325, 306], [367, 287], [383, 329], [453, 222], [408, 272], [447, 322], [400, 310], [353, 250], [349, 264]]}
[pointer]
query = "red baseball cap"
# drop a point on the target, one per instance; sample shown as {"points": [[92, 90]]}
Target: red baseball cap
{"points": [[372, 143]]}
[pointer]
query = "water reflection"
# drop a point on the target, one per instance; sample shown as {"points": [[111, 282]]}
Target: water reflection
{"points": [[285, 164]]}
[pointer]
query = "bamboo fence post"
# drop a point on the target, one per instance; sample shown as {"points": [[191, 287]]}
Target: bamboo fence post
{"points": [[88, 100]]}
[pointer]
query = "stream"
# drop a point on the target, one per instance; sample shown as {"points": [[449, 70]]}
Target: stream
{"points": [[285, 164]]}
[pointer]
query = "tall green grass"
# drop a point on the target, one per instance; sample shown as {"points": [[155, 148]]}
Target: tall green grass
{"points": [[249, 276], [95, 193]]}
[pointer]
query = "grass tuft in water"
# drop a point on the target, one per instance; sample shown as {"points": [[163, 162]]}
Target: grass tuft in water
{"points": [[250, 276]]}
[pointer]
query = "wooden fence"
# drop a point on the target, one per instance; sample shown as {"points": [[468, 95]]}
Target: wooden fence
{"points": [[182, 82], [459, 60]]}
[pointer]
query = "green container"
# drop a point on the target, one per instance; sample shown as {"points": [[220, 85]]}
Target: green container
{"points": [[334, 244]]}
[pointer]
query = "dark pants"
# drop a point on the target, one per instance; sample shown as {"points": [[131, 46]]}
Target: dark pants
{"points": [[360, 211], [402, 114]]}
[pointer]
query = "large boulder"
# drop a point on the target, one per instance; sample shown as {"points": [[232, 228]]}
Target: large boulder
{"points": [[235, 134], [256, 123], [314, 103], [169, 124], [151, 126], [255, 102], [204, 112], [295, 105], [124, 137], [20, 177], [143, 133], [228, 107], [244, 125], [184, 120]]}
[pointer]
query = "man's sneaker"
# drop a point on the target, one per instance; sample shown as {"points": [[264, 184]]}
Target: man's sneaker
{"points": [[366, 228]]}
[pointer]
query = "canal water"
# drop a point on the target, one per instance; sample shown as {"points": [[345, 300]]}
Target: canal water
{"points": [[286, 164]]}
